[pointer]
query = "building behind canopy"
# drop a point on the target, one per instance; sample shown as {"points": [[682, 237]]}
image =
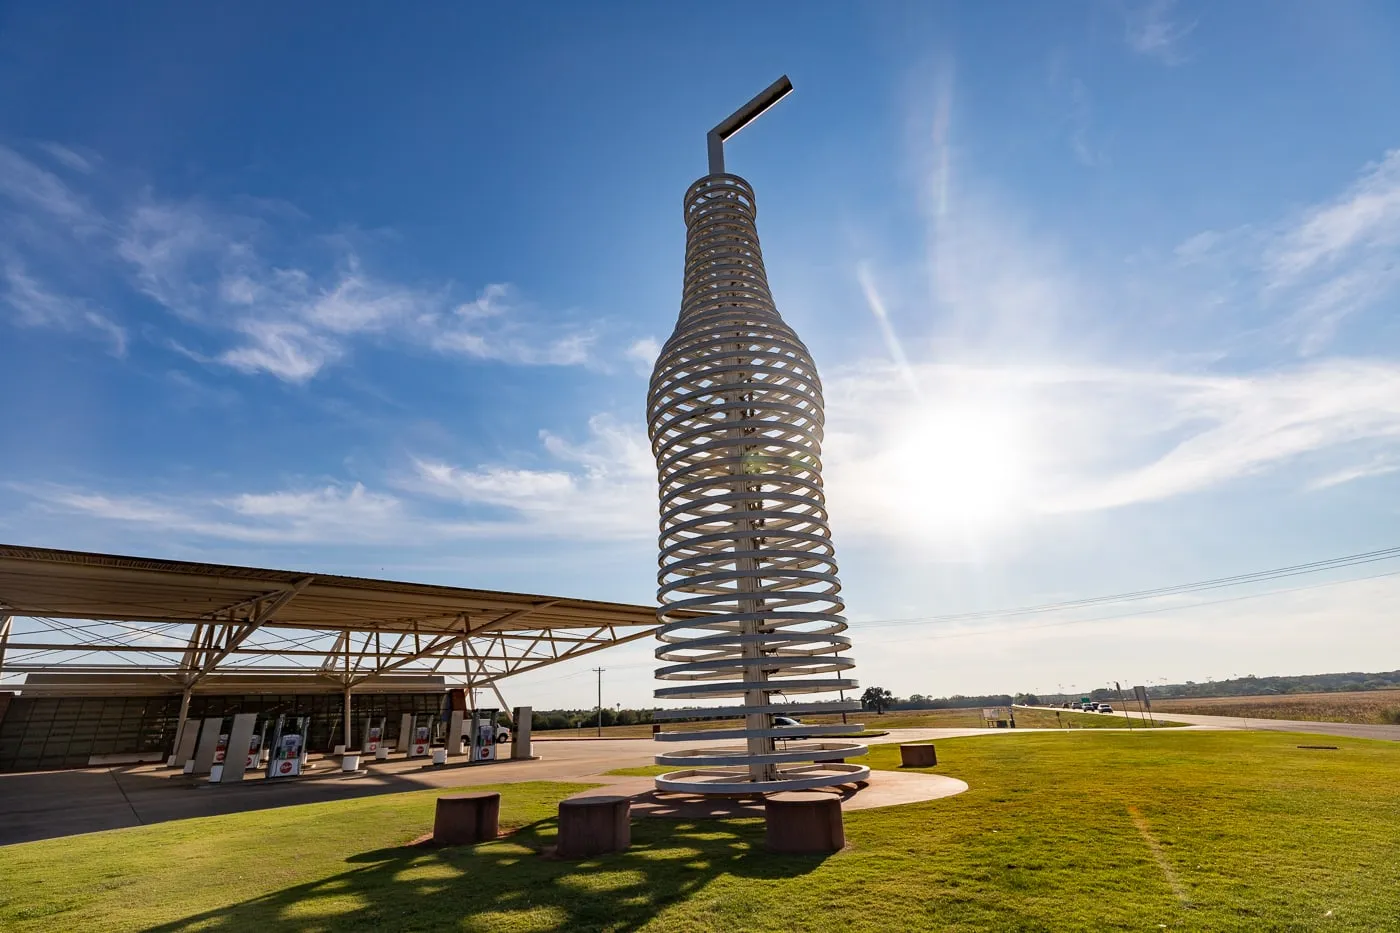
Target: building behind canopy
{"points": [[103, 657]]}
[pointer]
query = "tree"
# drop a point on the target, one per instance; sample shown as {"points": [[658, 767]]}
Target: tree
{"points": [[876, 698]]}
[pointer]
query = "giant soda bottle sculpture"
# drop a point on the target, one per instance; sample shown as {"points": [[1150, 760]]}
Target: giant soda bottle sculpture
{"points": [[750, 606]]}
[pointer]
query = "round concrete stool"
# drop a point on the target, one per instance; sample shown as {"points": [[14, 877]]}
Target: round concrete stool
{"points": [[594, 825], [466, 818], [804, 823], [917, 756]]}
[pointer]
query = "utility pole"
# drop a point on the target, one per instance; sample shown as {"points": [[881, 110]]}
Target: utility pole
{"points": [[599, 672]]}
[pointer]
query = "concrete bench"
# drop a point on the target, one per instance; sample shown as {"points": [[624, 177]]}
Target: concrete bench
{"points": [[594, 825], [803, 823], [917, 756], [463, 819]]}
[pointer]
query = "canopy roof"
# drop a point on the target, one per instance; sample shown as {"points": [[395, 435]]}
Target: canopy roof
{"points": [[186, 620]]}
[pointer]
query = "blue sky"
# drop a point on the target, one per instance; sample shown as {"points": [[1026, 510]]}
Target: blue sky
{"points": [[1103, 295]]}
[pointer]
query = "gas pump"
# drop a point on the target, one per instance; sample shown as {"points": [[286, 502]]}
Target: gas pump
{"points": [[255, 745], [374, 735], [483, 735], [422, 736], [288, 746], [221, 750]]}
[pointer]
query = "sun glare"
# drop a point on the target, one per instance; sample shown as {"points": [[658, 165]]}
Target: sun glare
{"points": [[962, 465]]}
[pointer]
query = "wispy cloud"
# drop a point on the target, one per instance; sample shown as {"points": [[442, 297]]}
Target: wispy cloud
{"points": [[295, 321], [1340, 257], [35, 306], [984, 445], [71, 158], [601, 489], [1073, 438], [29, 186], [327, 514], [1378, 466], [1313, 271], [643, 353], [1153, 30], [264, 296], [596, 490]]}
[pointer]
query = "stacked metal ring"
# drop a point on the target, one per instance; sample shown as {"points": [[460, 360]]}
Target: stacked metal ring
{"points": [[750, 604]]}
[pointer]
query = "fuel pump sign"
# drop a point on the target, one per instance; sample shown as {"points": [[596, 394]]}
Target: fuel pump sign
{"points": [[422, 741]]}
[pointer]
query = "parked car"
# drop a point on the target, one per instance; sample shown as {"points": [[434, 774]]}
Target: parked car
{"points": [[789, 722]]}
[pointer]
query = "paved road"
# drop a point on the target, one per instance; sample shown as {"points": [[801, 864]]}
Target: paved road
{"points": [[1240, 723], [42, 805], [1345, 729]]}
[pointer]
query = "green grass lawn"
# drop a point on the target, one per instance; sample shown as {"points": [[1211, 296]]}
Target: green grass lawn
{"points": [[1084, 830], [894, 719]]}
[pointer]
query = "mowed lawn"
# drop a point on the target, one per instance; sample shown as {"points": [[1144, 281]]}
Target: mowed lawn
{"points": [[1083, 830]]}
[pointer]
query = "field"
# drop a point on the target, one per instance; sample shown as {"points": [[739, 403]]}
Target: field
{"points": [[1085, 830], [1368, 706], [894, 719]]}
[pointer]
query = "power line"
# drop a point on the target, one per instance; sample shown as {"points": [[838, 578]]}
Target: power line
{"points": [[1259, 576], [1148, 612]]}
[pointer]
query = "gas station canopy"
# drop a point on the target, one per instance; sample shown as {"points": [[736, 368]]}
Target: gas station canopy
{"points": [[91, 616]]}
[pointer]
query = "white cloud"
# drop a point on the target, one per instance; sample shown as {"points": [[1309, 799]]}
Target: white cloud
{"points": [[1340, 257], [70, 158], [208, 268], [1378, 466], [1308, 274], [1366, 216], [292, 352], [601, 489], [997, 444], [331, 514], [1151, 30], [268, 301], [35, 306], [643, 354], [25, 184]]}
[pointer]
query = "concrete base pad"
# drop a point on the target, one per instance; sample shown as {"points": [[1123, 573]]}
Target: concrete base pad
{"points": [[884, 789]]}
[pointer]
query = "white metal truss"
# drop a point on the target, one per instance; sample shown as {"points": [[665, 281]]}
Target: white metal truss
{"points": [[97, 620]]}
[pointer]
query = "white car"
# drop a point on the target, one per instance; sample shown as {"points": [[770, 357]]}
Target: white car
{"points": [[789, 722]]}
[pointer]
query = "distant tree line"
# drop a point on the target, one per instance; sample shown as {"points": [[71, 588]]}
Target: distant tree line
{"points": [[1266, 686], [878, 699], [1249, 685], [543, 720]]}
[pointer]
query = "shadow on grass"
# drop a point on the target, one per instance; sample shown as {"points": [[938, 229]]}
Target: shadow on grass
{"points": [[509, 883]]}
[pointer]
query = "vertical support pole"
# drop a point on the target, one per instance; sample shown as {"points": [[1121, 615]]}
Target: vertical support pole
{"points": [[347, 717], [505, 707], [600, 670], [5, 623], [180, 722], [747, 569]]}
